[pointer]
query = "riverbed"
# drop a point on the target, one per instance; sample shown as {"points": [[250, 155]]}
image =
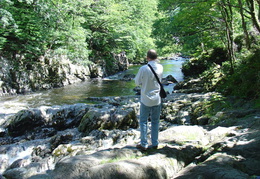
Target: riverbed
{"points": [[78, 93]]}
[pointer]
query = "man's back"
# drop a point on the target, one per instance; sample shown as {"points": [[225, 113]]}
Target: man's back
{"points": [[150, 88]]}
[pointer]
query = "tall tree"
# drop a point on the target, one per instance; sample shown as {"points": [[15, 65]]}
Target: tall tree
{"points": [[30, 28], [120, 25], [244, 24], [199, 25], [192, 24], [254, 9], [227, 14]]}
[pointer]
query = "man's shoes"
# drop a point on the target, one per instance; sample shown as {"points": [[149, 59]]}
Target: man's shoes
{"points": [[153, 147], [140, 147]]}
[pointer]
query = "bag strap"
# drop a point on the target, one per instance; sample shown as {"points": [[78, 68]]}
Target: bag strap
{"points": [[155, 74]]}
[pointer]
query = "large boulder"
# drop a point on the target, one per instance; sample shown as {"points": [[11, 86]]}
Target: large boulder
{"points": [[25, 121], [168, 80], [180, 146], [48, 72], [67, 116], [45, 119], [126, 163], [108, 117], [190, 86], [217, 166]]}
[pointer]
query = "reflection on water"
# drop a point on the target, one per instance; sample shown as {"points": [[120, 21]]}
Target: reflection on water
{"points": [[77, 93], [172, 67]]}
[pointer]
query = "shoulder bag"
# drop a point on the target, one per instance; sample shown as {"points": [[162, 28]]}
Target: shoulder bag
{"points": [[163, 94]]}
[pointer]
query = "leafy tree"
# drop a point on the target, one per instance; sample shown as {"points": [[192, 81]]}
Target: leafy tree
{"points": [[67, 36], [199, 26], [30, 28], [202, 27], [21, 29], [118, 26], [83, 31], [192, 24]]}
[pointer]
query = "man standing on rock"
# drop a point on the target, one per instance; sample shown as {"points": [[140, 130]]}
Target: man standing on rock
{"points": [[150, 99]]}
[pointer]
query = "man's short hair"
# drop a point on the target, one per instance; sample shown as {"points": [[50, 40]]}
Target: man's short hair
{"points": [[152, 54]]}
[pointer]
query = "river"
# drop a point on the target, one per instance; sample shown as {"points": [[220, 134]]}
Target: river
{"points": [[77, 93]]}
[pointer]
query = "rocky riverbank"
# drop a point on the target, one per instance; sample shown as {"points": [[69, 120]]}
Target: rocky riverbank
{"points": [[47, 72], [98, 140]]}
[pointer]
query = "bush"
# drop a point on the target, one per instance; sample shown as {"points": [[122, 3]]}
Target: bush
{"points": [[245, 82], [218, 56], [197, 66]]}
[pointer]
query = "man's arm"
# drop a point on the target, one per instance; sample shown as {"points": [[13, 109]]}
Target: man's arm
{"points": [[138, 78]]}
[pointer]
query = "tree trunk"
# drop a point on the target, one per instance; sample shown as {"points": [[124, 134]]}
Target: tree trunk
{"points": [[253, 13], [227, 14], [248, 44]]}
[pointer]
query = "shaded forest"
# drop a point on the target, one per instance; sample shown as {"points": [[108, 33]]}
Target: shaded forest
{"points": [[215, 34]]}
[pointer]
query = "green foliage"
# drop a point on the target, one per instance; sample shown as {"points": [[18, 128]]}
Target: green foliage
{"points": [[80, 30], [246, 81], [19, 31], [93, 31], [113, 28], [190, 24], [208, 108], [32, 28], [205, 61], [257, 102], [192, 27], [194, 66]]}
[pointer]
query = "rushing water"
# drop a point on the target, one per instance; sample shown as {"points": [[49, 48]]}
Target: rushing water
{"points": [[77, 93]]}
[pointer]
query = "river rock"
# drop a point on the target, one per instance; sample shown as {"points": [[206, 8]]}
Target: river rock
{"points": [[51, 72], [137, 90], [108, 117], [25, 121], [190, 86], [28, 171], [165, 162], [44, 119], [185, 134], [77, 165], [128, 77], [66, 116], [177, 112], [48, 72], [2, 132], [131, 163], [120, 63], [217, 166], [226, 149], [235, 157], [168, 80]]}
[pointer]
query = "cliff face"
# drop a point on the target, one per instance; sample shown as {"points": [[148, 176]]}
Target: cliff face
{"points": [[18, 77], [46, 73]]}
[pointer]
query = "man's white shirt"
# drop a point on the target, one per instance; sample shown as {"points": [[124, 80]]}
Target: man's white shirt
{"points": [[150, 88]]}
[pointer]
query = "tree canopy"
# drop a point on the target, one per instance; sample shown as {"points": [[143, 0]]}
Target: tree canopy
{"points": [[222, 32], [82, 30], [93, 31], [199, 25], [88, 30]]}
